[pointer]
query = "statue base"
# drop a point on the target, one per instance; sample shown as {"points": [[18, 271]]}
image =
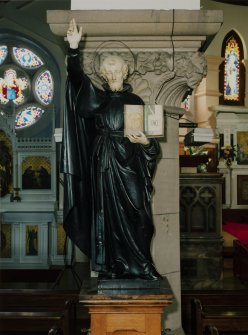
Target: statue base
{"points": [[114, 284], [128, 309]]}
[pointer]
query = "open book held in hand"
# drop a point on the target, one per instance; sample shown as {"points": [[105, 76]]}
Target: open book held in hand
{"points": [[148, 119]]}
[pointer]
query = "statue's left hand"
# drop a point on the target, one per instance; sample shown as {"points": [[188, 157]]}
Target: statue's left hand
{"points": [[138, 137]]}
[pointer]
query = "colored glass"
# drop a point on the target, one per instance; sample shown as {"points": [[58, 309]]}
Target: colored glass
{"points": [[232, 70], [27, 58], [3, 53], [28, 116], [44, 87]]}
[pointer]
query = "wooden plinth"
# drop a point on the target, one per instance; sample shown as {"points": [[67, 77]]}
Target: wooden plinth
{"points": [[127, 312]]}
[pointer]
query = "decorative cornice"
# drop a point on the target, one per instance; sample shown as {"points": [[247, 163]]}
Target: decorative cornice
{"points": [[162, 46], [156, 29]]}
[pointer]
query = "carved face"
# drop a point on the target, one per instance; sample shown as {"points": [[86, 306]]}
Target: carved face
{"points": [[114, 70]]}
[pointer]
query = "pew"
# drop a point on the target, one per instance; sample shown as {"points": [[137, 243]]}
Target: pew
{"points": [[42, 301], [240, 260], [224, 318], [40, 318], [211, 330]]}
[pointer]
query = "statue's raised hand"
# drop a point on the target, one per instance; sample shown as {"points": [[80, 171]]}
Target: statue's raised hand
{"points": [[74, 34]]}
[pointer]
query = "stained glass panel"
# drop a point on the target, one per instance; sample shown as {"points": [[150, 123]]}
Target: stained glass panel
{"points": [[27, 58], [186, 103], [232, 71], [12, 87], [3, 53], [28, 116], [44, 87]]}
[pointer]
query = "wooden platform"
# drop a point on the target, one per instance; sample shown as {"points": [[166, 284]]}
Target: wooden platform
{"points": [[126, 311]]}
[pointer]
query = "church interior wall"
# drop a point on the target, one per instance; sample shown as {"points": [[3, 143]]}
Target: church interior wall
{"points": [[234, 18]]}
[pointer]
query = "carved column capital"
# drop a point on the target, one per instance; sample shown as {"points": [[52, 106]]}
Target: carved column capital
{"points": [[157, 76]]}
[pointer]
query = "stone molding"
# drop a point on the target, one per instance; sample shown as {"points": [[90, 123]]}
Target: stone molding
{"points": [[161, 46], [154, 29]]}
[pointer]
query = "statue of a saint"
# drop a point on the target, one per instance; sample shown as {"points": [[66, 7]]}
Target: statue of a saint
{"points": [[107, 180]]}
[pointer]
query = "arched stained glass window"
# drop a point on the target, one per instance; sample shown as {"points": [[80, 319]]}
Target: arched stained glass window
{"points": [[3, 53], [232, 71], [28, 116], [44, 87], [27, 58], [25, 83]]}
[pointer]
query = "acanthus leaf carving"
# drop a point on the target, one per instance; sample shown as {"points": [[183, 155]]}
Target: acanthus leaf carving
{"points": [[158, 77]]}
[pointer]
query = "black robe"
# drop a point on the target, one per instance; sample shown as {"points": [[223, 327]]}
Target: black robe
{"points": [[107, 209]]}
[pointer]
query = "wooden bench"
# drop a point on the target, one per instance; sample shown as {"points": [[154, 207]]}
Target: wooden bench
{"points": [[211, 330], [210, 297], [41, 301], [224, 318], [38, 318], [240, 260]]}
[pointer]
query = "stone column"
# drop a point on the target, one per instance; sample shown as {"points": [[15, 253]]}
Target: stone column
{"points": [[162, 48], [207, 94]]}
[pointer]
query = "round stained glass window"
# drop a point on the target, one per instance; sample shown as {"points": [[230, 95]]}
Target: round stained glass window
{"points": [[26, 84]]}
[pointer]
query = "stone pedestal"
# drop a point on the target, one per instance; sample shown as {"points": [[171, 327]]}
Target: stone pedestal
{"points": [[130, 311]]}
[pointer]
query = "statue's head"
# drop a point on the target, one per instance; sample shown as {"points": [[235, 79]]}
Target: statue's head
{"points": [[114, 70]]}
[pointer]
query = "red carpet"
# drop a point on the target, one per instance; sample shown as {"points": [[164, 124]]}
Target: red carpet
{"points": [[239, 230]]}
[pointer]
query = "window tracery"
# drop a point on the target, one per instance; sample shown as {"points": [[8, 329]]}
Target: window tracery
{"points": [[25, 83]]}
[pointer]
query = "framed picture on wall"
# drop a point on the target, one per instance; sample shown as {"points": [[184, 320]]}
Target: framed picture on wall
{"points": [[36, 173], [5, 245], [32, 240], [61, 239], [242, 189], [242, 147]]}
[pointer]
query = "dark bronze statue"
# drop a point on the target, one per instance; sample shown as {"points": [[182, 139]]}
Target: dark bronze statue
{"points": [[107, 207]]}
